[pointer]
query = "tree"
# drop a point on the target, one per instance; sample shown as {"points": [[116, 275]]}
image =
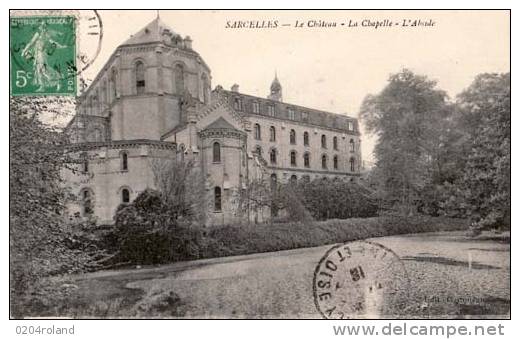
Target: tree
{"points": [[409, 117], [484, 117], [181, 187], [149, 231], [38, 232]]}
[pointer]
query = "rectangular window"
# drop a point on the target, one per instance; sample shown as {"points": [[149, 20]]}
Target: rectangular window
{"points": [[270, 110], [237, 104], [350, 126], [256, 107], [305, 116], [290, 113]]}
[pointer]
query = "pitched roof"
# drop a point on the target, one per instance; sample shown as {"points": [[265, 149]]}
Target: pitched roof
{"points": [[220, 123], [150, 33]]}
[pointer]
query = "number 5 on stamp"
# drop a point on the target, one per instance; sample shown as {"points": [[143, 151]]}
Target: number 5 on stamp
{"points": [[43, 55]]}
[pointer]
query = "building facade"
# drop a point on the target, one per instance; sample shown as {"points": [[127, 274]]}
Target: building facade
{"points": [[153, 101]]}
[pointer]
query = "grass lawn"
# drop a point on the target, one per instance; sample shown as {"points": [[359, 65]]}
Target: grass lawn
{"points": [[451, 276]]}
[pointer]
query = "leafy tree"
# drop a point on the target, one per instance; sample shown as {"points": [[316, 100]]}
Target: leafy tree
{"points": [[410, 118], [38, 235], [149, 231], [335, 199], [484, 117]]}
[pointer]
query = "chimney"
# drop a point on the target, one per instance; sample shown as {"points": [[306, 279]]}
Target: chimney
{"points": [[234, 88], [187, 42]]}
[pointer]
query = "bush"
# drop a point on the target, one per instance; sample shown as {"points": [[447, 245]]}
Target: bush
{"points": [[335, 199], [148, 231]]}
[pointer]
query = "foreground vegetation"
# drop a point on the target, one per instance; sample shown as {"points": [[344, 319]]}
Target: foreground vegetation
{"points": [[136, 241]]}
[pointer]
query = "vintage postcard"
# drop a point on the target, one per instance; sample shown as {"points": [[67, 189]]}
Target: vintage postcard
{"points": [[260, 164]]}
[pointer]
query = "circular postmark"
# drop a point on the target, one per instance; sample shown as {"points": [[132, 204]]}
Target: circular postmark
{"points": [[360, 279]]}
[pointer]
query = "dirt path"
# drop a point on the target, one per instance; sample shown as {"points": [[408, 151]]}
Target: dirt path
{"points": [[450, 275]]}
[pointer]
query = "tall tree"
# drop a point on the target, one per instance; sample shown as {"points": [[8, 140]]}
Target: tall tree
{"points": [[36, 197], [409, 117], [484, 117]]}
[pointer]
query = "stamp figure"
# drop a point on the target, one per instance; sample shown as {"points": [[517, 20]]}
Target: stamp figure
{"points": [[43, 56]]}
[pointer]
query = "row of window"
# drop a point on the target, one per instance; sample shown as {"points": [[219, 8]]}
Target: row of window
{"points": [[306, 138], [306, 158], [87, 204], [140, 84], [270, 110], [178, 80], [123, 162]]}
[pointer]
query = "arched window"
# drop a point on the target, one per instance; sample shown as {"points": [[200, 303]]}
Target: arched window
{"points": [[306, 178], [124, 161], [258, 151], [306, 160], [125, 196], [323, 141], [335, 143], [218, 199], [139, 77], [306, 138], [178, 78], [324, 161], [272, 133], [216, 152], [104, 100], [96, 103], [294, 179], [86, 202], [205, 88], [292, 137], [113, 84], [258, 132], [293, 158], [272, 156], [352, 145], [85, 166], [335, 160], [352, 165]]}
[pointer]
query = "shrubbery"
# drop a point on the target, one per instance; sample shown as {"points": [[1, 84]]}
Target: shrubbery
{"points": [[147, 231], [335, 199], [246, 239]]}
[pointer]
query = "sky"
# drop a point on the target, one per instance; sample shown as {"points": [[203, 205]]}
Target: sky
{"points": [[329, 68]]}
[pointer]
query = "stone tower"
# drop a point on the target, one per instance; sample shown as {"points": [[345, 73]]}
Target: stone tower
{"points": [[276, 89]]}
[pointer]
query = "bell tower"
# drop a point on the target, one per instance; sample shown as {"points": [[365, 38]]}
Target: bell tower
{"points": [[276, 89]]}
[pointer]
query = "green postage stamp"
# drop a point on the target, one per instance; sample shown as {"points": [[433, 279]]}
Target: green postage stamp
{"points": [[43, 55]]}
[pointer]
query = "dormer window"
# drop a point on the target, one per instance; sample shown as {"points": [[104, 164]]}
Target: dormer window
{"points": [[290, 114], [237, 104], [270, 110], [256, 107]]}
